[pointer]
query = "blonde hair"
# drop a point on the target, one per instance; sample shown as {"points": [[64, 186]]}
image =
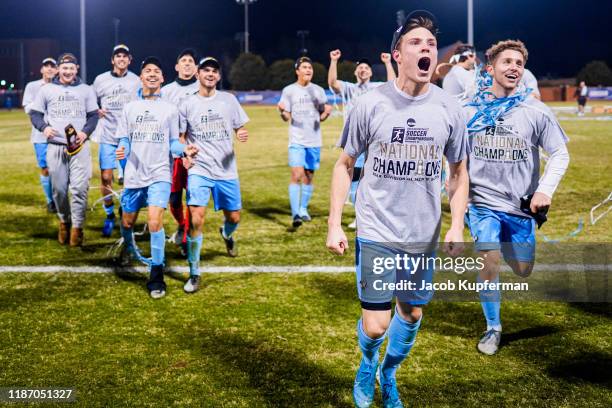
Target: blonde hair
{"points": [[496, 49]]}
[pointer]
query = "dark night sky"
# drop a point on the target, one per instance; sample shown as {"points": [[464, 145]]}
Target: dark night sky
{"points": [[561, 35]]}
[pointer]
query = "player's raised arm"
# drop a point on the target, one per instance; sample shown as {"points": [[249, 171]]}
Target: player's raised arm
{"points": [[385, 57], [332, 73]]}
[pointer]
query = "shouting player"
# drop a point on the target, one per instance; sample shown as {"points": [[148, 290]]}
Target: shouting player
{"points": [[114, 89], [305, 105], [185, 85], [404, 127], [350, 91], [66, 112], [209, 120], [148, 131], [507, 194], [48, 70]]}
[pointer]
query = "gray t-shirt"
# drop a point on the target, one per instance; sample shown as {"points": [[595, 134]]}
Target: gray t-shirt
{"points": [[460, 83], [528, 80], [29, 93], [305, 104], [209, 124], [504, 160], [349, 91], [113, 93], [404, 138], [64, 105], [175, 93], [150, 125]]}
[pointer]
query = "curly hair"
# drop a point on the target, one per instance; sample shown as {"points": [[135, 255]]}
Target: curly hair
{"points": [[496, 49]]}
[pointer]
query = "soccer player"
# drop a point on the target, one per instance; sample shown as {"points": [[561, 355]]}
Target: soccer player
{"points": [[185, 85], [61, 108], [460, 80], [529, 81], [209, 120], [350, 91], [114, 89], [148, 131], [504, 167], [48, 70], [305, 105], [404, 127]]}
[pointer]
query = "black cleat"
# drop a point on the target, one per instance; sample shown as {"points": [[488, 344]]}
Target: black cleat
{"points": [[51, 208], [297, 221], [230, 244]]}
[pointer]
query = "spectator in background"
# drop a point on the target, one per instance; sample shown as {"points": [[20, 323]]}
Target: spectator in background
{"points": [[581, 94]]}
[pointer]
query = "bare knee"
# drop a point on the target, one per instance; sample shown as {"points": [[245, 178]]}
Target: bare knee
{"points": [[409, 313], [375, 322], [297, 174], [233, 217], [522, 269], [107, 177]]}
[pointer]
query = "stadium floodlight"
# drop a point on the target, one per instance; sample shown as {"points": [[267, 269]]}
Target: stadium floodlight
{"points": [[12, 85], [2, 83], [246, 22]]}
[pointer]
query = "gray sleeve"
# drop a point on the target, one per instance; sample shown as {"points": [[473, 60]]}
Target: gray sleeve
{"points": [[456, 146], [38, 120], [355, 133], [239, 118], [90, 122], [28, 98], [286, 99]]}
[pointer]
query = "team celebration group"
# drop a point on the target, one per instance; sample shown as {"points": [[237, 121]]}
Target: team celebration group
{"points": [[488, 126]]}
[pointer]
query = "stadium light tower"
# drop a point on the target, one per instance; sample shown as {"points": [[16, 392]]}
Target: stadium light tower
{"points": [[83, 50], [116, 23], [302, 34], [246, 22], [470, 21]]}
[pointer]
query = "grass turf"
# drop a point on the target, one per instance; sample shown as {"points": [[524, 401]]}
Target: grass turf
{"points": [[250, 340]]}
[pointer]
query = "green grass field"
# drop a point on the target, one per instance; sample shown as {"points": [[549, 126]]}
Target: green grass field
{"points": [[277, 340]]}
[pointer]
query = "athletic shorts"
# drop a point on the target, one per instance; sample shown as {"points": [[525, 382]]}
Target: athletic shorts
{"points": [[41, 154], [225, 193], [582, 100], [307, 157], [179, 176], [496, 230], [106, 156], [377, 285], [157, 194], [360, 161]]}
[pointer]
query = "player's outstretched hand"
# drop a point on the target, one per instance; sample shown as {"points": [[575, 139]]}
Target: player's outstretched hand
{"points": [[191, 150], [335, 55], [81, 137], [120, 153], [453, 241], [385, 57], [337, 242], [49, 132], [242, 134], [539, 201], [281, 107]]}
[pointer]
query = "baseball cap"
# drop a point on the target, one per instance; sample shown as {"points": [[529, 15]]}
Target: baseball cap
{"points": [[49, 60], [301, 60], [187, 51], [121, 48], [209, 62], [405, 27], [67, 58], [364, 61], [150, 60]]}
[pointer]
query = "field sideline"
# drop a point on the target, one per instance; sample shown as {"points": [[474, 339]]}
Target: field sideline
{"points": [[277, 339]]}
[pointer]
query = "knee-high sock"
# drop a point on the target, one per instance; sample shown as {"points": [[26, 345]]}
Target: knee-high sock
{"points": [[158, 244], [401, 338], [229, 228], [490, 300], [368, 346], [128, 237], [307, 190], [194, 247], [294, 198], [353, 191], [176, 208], [109, 210], [45, 182]]}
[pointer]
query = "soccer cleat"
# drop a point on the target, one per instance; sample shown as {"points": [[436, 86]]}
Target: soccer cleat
{"points": [[157, 293], [230, 244], [390, 395], [489, 343], [304, 215], [192, 285], [353, 225], [178, 236], [120, 181], [109, 225], [156, 284], [76, 237], [51, 208], [365, 384], [297, 221], [63, 235]]}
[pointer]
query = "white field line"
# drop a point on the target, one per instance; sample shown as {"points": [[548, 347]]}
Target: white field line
{"points": [[265, 269]]}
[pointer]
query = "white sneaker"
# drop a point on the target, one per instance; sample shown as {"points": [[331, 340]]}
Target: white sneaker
{"points": [[489, 343], [353, 225]]}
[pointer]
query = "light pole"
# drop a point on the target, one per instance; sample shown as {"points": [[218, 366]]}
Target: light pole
{"points": [[470, 21], [83, 49], [116, 23], [302, 34], [246, 22]]}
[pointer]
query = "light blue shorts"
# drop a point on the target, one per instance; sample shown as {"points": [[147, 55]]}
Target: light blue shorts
{"points": [[41, 154], [157, 194], [496, 230], [307, 157], [106, 156], [225, 193]]}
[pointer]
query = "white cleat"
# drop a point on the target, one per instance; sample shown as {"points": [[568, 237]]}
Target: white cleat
{"points": [[489, 343]]}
